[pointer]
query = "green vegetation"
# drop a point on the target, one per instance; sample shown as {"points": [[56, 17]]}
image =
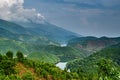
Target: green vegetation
{"points": [[21, 68], [9, 54], [18, 37], [20, 56], [92, 44], [48, 53], [37, 51], [56, 53], [102, 65], [87, 60], [43, 56]]}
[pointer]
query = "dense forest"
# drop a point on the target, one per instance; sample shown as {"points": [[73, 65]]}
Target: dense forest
{"points": [[102, 65], [32, 54], [21, 68]]}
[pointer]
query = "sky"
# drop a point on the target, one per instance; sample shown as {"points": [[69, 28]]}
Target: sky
{"points": [[85, 17], [14, 10]]}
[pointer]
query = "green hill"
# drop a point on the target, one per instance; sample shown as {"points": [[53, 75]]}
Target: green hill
{"points": [[21, 68], [43, 56], [63, 53], [48, 53], [50, 31], [93, 44], [35, 40], [109, 57]]}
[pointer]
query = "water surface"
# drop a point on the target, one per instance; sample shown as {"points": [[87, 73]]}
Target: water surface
{"points": [[61, 65]]}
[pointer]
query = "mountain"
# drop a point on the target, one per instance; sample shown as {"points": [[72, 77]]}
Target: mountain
{"points": [[14, 31], [52, 32], [46, 53], [39, 40], [63, 53], [21, 68], [104, 62], [6, 33], [36, 45], [12, 27], [92, 44], [112, 52], [46, 30]]}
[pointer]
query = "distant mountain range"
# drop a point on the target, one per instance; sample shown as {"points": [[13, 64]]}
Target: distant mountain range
{"points": [[43, 41], [50, 31], [89, 64], [36, 39], [93, 44], [46, 30]]}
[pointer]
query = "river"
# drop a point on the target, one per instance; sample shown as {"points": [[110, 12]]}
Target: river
{"points": [[61, 65]]}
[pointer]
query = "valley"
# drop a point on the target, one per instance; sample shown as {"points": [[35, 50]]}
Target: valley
{"points": [[61, 52], [59, 39]]}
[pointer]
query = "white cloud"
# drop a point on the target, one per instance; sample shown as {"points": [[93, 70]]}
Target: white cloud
{"points": [[13, 10]]}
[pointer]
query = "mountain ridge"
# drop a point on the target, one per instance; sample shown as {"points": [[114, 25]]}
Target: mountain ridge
{"points": [[51, 31], [93, 44]]}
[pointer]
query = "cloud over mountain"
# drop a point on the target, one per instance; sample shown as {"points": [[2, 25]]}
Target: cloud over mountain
{"points": [[86, 17], [13, 10]]}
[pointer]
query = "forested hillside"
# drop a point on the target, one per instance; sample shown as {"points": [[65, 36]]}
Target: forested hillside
{"points": [[95, 67], [89, 58], [92, 44], [104, 64], [21, 68]]}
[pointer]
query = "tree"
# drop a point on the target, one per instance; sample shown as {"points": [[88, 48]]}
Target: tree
{"points": [[9, 54], [7, 67], [1, 57], [27, 76], [20, 56], [107, 70]]}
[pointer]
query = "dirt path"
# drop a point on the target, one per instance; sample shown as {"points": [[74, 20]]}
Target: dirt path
{"points": [[22, 70]]}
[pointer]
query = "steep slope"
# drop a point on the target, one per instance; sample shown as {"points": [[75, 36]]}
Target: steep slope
{"points": [[93, 44], [50, 31], [12, 27], [25, 69], [89, 64], [45, 30], [14, 31], [63, 53], [26, 48], [44, 56], [47, 53], [15, 38], [7, 44], [6, 34]]}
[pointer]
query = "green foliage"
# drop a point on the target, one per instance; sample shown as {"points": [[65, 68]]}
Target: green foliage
{"points": [[10, 77], [9, 54], [43, 70], [102, 65], [94, 67], [42, 56], [27, 76], [49, 71], [20, 56], [106, 70], [51, 52], [1, 57], [92, 44], [6, 66]]}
